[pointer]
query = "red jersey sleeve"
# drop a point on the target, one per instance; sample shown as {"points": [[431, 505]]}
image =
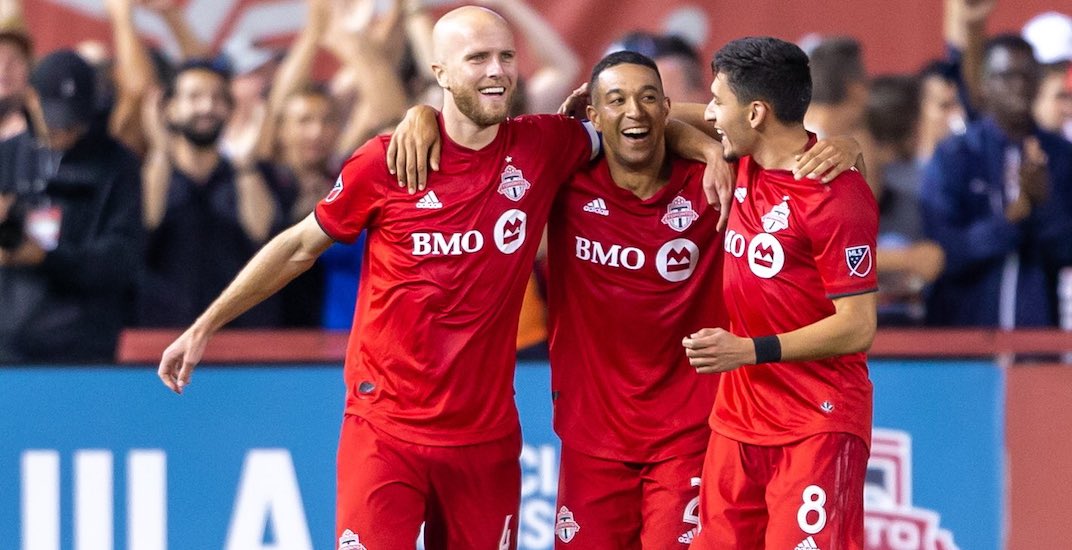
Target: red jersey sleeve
{"points": [[843, 228], [355, 201]]}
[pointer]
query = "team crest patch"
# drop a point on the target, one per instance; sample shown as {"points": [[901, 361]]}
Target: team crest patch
{"points": [[778, 218], [679, 214], [335, 191], [565, 526], [350, 541], [859, 260], [512, 183]]}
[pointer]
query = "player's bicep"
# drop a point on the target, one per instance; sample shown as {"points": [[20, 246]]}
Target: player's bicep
{"points": [[843, 231], [357, 197], [312, 239]]}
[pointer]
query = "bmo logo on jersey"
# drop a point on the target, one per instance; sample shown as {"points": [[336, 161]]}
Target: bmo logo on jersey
{"points": [[509, 236], [765, 255], [615, 255], [677, 259]]}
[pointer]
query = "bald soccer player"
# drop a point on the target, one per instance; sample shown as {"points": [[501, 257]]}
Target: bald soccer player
{"points": [[430, 433]]}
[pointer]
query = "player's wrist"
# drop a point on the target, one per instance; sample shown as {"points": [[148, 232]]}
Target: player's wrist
{"points": [[768, 349]]}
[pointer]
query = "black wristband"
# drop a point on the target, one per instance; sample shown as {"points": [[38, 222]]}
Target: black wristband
{"points": [[768, 349]]}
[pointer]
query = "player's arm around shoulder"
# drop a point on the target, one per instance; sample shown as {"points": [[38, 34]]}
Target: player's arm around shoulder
{"points": [[285, 257]]}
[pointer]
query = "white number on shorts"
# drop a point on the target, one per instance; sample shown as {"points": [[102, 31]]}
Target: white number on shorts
{"points": [[692, 509], [814, 499]]}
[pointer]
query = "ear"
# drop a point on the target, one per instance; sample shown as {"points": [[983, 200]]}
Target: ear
{"points": [[758, 111], [593, 116], [440, 73]]}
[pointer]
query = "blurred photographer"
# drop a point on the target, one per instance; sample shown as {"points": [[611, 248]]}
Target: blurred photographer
{"points": [[70, 226]]}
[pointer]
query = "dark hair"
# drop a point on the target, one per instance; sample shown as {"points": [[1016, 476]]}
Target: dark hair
{"points": [[940, 68], [893, 108], [623, 57], [213, 66], [1057, 67], [835, 65], [767, 69], [1006, 41]]}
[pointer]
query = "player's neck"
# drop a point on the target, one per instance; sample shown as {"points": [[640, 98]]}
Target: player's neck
{"points": [[643, 181], [779, 145], [463, 131]]}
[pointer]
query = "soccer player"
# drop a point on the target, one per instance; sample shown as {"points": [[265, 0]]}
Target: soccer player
{"points": [[430, 432], [791, 422], [633, 250]]}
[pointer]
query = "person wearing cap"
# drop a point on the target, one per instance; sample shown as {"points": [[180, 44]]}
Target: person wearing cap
{"points": [[1050, 34], [70, 232]]}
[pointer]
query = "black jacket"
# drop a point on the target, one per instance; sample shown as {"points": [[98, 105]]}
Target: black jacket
{"points": [[71, 307]]}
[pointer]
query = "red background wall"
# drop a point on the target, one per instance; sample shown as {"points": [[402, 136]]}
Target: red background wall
{"points": [[897, 35]]}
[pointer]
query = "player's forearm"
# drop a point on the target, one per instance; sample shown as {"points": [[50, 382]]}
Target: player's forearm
{"points": [[851, 329], [693, 115], [686, 141], [285, 257]]}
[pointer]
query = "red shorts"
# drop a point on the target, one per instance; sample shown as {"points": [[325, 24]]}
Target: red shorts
{"points": [[613, 505], [467, 497], [809, 494]]}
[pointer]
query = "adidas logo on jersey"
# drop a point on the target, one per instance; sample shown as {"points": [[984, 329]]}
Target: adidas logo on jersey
{"points": [[689, 536], [807, 544], [429, 201], [597, 206]]}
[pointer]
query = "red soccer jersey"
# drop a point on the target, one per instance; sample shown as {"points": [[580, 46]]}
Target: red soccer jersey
{"points": [[629, 278], [793, 246], [431, 356]]}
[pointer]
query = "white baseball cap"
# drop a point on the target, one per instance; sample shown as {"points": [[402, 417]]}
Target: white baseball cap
{"points": [[1050, 34]]}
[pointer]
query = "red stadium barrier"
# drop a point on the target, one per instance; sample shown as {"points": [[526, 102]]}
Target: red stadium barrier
{"points": [[314, 346]]}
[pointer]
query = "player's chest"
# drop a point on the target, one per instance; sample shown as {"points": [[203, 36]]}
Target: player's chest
{"points": [[471, 208], [609, 233], [766, 236]]}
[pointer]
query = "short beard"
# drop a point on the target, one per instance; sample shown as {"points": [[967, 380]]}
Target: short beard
{"points": [[202, 139], [469, 105]]}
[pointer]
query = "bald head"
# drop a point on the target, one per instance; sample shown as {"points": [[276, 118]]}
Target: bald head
{"points": [[463, 25], [475, 64]]}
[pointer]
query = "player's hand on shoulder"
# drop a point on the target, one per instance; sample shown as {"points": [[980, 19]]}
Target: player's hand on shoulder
{"points": [[415, 146], [714, 350], [179, 359], [827, 159], [719, 179], [577, 103]]}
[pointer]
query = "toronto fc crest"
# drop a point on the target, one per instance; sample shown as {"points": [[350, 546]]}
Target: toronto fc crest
{"points": [[565, 526], [512, 183], [679, 214]]}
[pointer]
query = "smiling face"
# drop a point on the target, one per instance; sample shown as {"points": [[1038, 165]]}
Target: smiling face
{"points": [[731, 119], [477, 64], [629, 108]]}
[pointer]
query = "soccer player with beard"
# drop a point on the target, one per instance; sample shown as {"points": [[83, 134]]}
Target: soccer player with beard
{"points": [[205, 215], [431, 432], [791, 422]]}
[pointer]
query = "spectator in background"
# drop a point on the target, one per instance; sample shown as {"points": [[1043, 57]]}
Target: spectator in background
{"points": [[70, 231], [906, 260], [1050, 34], [252, 70], [16, 55], [941, 112], [995, 199], [684, 77], [206, 215], [839, 94]]}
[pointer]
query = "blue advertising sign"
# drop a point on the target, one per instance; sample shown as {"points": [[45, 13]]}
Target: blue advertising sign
{"points": [[107, 458]]}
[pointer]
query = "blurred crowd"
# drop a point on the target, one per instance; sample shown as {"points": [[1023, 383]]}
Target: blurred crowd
{"points": [[134, 185]]}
